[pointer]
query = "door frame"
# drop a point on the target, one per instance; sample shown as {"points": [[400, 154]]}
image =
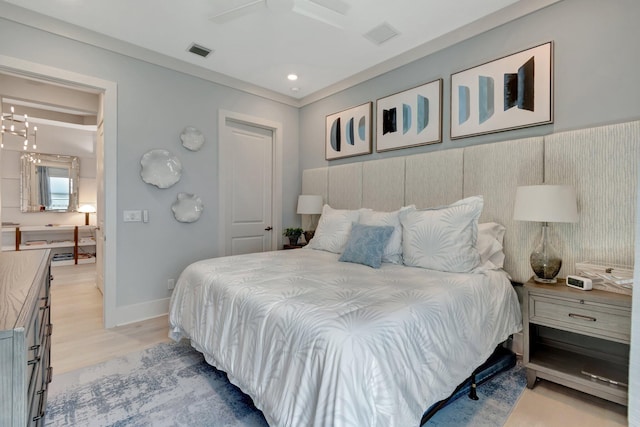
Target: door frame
{"points": [[110, 111], [223, 154]]}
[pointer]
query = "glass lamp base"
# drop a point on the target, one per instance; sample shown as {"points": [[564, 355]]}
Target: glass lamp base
{"points": [[541, 280], [545, 261]]}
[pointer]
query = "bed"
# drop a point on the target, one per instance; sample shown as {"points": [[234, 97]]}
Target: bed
{"points": [[320, 337]]}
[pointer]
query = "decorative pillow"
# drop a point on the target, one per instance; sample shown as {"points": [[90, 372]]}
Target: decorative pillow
{"points": [[442, 238], [333, 229], [393, 250], [366, 244], [490, 237]]}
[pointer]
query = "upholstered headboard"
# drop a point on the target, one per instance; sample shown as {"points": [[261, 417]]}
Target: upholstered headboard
{"points": [[601, 163]]}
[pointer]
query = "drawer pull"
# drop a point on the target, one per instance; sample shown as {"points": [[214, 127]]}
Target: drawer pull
{"points": [[39, 417], [34, 361], [49, 374], [49, 329], [35, 349], [580, 316]]}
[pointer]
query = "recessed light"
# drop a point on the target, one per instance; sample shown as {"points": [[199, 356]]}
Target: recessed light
{"points": [[292, 77]]}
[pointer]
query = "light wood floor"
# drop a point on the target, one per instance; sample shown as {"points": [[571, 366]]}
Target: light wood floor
{"points": [[79, 340]]}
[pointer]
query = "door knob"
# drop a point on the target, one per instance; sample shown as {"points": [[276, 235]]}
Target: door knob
{"points": [[269, 228]]}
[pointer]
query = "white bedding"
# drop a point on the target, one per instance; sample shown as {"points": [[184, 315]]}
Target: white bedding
{"points": [[316, 342]]}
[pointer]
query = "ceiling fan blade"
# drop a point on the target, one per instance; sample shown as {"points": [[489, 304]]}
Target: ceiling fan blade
{"points": [[234, 10], [331, 12]]}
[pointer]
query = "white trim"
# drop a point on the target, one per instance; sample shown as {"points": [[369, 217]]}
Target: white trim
{"points": [[51, 25], [135, 313], [27, 17], [80, 81], [510, 13], [276, 205]]}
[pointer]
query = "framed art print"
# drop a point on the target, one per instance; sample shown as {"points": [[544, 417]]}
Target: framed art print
{"points": [[348, 133], [410, 118], [509, 93]]}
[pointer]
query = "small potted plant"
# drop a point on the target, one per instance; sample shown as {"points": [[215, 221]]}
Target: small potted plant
{"points": [[293, 234]]}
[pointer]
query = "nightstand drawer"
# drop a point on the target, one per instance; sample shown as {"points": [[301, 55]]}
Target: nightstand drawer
{"points": [[595, 319]]}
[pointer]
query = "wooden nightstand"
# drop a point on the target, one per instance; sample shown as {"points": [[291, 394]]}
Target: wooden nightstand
{"points": [[294, 246], [579, 339]]}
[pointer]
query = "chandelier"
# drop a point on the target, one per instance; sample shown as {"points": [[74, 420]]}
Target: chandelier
{"points": [[15, 125]]}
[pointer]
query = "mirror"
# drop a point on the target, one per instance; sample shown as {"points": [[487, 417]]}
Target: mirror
{"points": [[49, 182]]}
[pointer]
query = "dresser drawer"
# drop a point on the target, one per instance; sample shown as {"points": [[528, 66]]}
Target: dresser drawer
{"points": [[590, 318]]}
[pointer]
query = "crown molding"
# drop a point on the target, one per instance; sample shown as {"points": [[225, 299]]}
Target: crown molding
{"points": [[54, 26]]}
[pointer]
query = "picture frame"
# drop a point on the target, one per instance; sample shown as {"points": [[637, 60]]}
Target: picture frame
{"points": [[410, 118], [348, 132], [512, 92]]}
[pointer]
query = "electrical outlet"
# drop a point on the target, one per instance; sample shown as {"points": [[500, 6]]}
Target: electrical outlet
{"points": [[171, 283], [132, 216]]}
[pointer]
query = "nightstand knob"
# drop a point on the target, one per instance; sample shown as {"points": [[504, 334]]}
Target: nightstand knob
{"points": [[581, 301]]}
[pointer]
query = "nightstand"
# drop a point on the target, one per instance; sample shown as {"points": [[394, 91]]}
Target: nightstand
{"points": [[579, 339], [293, 246]]}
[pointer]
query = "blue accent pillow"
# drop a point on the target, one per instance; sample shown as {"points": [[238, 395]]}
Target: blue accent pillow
{"points": [[366, 244]]}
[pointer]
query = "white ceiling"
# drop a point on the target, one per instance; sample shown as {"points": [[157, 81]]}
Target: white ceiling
{"points": [[260, 42]]}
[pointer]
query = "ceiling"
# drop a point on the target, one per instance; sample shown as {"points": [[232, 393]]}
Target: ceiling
{"points": [[260, 42], [65, 118]]}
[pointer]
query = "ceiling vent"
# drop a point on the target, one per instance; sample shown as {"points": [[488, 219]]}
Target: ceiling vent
{"points": [[381, 34], [199, 50]]}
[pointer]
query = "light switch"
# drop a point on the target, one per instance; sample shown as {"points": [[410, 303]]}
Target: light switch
{"points": [[132, 216]]}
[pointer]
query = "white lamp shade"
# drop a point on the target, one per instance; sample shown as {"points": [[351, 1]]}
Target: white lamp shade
{"points": [[546, 203], [87, 209], [309, 204]]}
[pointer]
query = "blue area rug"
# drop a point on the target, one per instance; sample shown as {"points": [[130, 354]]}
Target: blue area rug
{"points": [[171, 385]]}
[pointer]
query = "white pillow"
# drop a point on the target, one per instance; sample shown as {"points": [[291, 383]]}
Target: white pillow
{"points": [[490, 238], [393, 250], [442, 238], [334, 228]]}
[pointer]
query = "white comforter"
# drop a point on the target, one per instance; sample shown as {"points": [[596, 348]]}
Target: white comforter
{"points": [[316, 342]]}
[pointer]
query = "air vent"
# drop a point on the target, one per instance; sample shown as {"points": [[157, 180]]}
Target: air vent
{"points": [[199, 50], [381, 34]]}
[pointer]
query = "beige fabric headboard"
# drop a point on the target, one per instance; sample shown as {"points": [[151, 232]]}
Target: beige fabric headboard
{"points": [[606, 192]]}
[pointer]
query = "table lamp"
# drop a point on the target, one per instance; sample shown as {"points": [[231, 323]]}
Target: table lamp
{"points": [[309, 205], [545, 204], [86, 210]]}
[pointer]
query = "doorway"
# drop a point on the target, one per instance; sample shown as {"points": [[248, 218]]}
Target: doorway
{"points": [[250, 184], [106, 174]]}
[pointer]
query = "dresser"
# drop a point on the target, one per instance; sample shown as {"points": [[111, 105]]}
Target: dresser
{"points": [[576, 338], [25, 337]]}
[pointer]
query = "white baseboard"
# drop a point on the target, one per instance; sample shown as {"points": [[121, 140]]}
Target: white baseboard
{"points": [[137, 312]]}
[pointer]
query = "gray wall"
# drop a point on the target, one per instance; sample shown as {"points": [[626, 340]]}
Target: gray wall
{"points": [[596, 65], [634, 362], [595, 74], [154, 105]]}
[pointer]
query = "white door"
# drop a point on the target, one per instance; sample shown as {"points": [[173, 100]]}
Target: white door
{"points": [[100, 198], [247, 153]]}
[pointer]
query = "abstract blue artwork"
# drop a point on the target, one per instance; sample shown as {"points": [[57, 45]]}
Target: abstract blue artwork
{"points": [[464, 99], [348, 133], [519, 87], [423, 113], [485, 98], [410, 118], [512, 92]]}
